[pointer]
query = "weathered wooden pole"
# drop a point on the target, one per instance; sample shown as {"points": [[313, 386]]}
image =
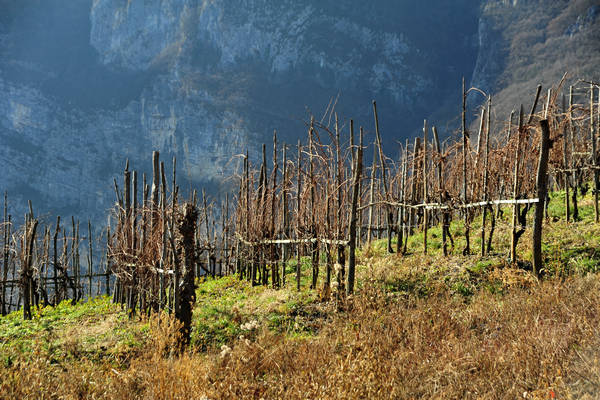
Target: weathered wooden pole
{"points": [[341, 249], [542, 188], [226, 225], [441, 188], [467, 248], [163, 299], [514, 235], [329, 260], [75, 254], [183, 309], [371, 198], [298, 218], [480, 135], [388, 211], [57, 298], [352, 224], [249, 249], [108, 260], [413, 190], [128, 234], [262, 208], [26, 273], [425, 194], [285, 220], [565, 161], [594, 154], [275, 281], [90, 260], [5, 249], [406, 214], [315, 243], [485, 175], [402, 197], [146, 296]]}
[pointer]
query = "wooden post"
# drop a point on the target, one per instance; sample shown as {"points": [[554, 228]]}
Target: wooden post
{"points": [[388, 211], [572, 129], [298, 208], [75, 254], [352, 224], [425, 211], [57, 298], [565, 161], [467, 248], [402, 196], [28, 242], [127, 233], [311, 177], [407, 212], [371, 199], [480, 135], [24, 278], [329, 261], [262, 197], [108, 263], [285, 217], [274, 269], [5, 237], [541, 184], [90, 260], [514, 236], [162, 284], [341, 250], [485, 175], [155, 185], [247, 219], [226, 233], [594, 154], [146, 295], [413, 191], [441, 188], [183, 309]]}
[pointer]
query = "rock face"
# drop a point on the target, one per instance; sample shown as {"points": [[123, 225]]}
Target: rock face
{"points": [[86, 84]]}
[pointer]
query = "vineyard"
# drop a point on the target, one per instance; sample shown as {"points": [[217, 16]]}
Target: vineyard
{"points": [[318, 199]]}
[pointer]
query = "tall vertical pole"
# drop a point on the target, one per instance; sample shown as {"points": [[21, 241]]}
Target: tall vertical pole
{"points": [[574, 176], [514, 237], [298, 216], [388, 211], [440, 167], [352, 224], [485, 174], [565, 160], [425, 211], [594, 153], [541, 184], [467, 248]]}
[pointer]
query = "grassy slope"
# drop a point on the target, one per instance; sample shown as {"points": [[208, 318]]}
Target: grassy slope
{"points": [[419, 326]]}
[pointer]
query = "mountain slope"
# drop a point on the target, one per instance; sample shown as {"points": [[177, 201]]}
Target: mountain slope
{"points": [[87, 84]]}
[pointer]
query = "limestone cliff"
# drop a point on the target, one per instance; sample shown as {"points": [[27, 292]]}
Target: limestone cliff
{"points": [[86, 84]]}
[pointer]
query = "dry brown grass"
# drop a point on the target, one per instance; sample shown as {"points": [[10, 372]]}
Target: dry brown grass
{"points": [[528, 343]]}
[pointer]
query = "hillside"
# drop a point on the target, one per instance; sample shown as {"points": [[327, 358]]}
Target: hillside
{"points": [[86, 85], [535, 42], [418, 326]]}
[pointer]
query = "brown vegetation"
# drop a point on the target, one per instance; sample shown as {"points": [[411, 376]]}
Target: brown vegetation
{"points": [[537, 341]]}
